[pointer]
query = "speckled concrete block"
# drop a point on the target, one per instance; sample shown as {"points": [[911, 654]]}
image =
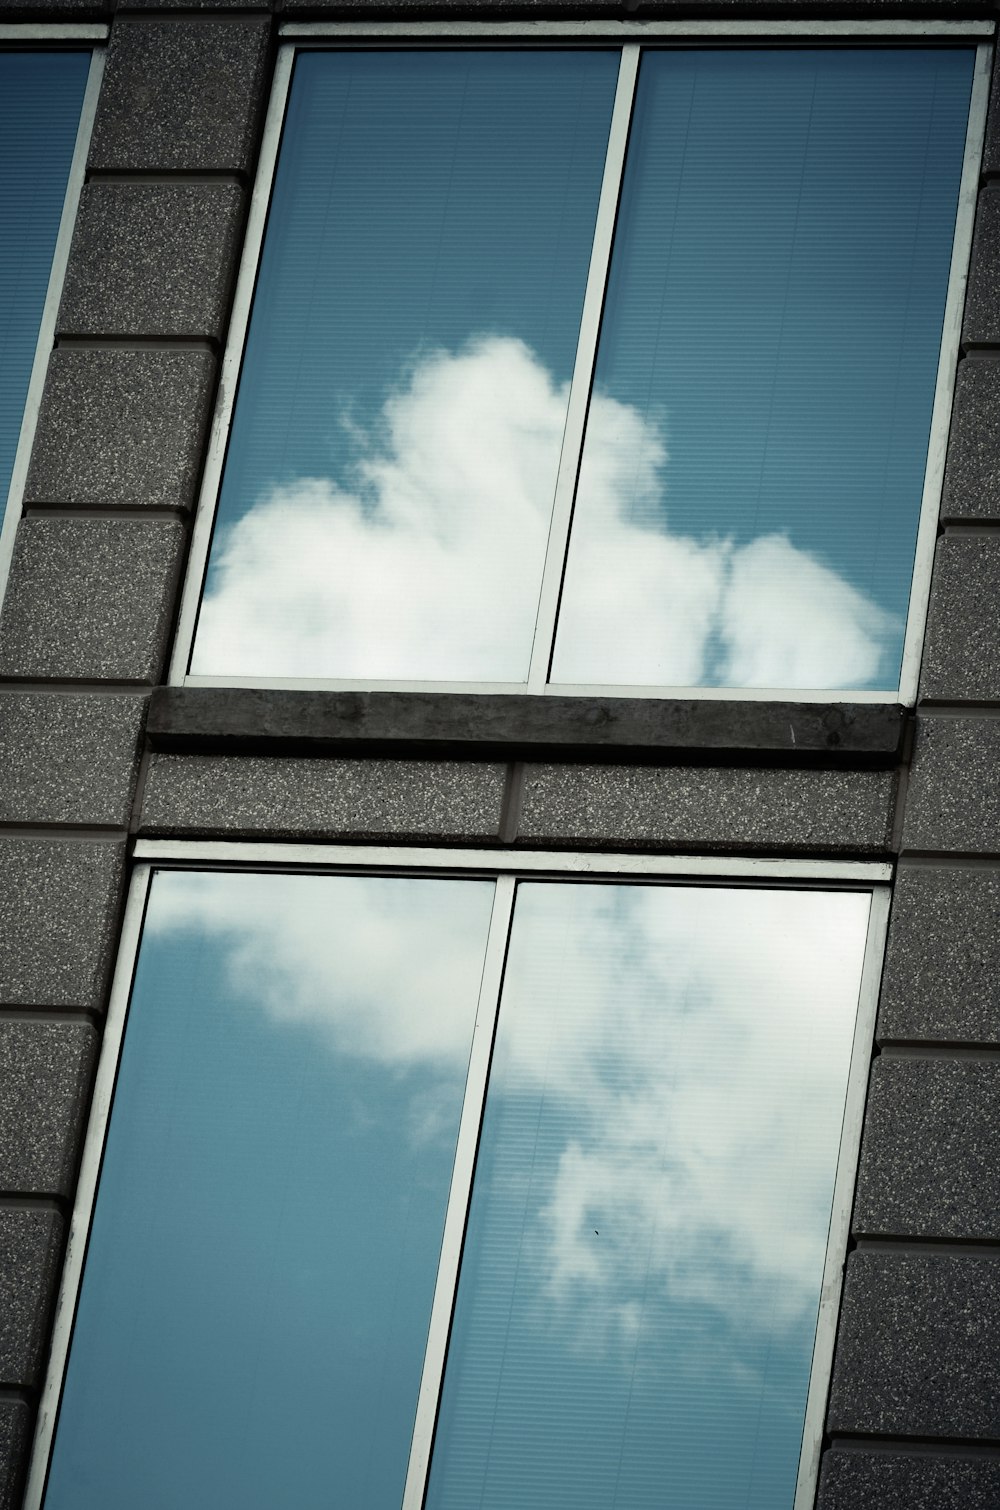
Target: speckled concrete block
{"points": [[962, 648], [706, 808], [274, 797], [918, 1350], [181, 95], [16, 1417], [58, 910], [855, 1479], [930, 1158], [953, 802], [121, 428], [972, 476], [30, 1250], [942, 972], [90, 598], [982, 302], [991, 152], [68, 759], [152, 259], [45, 1073]]}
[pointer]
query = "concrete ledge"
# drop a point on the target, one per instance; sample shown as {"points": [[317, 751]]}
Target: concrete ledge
{"points": [[483, 725]]}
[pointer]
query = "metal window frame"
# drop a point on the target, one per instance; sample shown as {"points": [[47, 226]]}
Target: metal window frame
{"points": [[627, 35], [57, 272], [506, 869]]}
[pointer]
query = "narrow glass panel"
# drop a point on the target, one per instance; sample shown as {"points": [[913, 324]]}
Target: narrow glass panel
{"points": [[261, 1267], [396, 439], [640, 1284], [754, 460], [41, 96]]}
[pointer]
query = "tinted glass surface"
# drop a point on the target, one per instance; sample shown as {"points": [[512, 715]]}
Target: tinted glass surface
{"points": [[754, 459], [261, 1268], [41, 96], [397, 432], [640, 1284]]}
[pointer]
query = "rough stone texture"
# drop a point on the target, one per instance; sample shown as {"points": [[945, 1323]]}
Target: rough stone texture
{"points": [[152, 259], [991, 146], [90, 598], [859, 1480], [982, 303], [45, 1070], [30, 1250], [943, 959], [68, 759], [705, 808], [180, 96], [972, 475], [15, 1437], [953, 802], [930, 1159], [286, 797], [58, 910], [962, 648], [121, 428], [918, 1351]]}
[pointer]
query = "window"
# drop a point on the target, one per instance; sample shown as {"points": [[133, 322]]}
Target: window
{"points": [[41, 100], [589, 368], [649, 1083]]}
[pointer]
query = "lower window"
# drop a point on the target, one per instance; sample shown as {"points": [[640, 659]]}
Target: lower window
{"points": [[435, 1188]]}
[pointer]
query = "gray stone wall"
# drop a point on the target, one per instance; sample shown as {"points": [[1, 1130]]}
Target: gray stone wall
{"points": [[84, 635]]}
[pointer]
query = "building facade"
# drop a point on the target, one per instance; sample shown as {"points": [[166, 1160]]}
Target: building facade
{"points": [[107, 756]]}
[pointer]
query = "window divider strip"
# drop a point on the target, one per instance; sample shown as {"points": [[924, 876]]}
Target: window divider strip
{"points": [[459, 1195], [583, 371]]}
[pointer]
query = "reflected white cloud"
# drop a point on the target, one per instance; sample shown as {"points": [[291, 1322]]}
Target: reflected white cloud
{"points": [[429, 566]]}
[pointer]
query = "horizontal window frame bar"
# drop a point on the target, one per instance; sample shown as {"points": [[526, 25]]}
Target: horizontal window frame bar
{"points": [[484, 725], [49, 32], [588, 31]]}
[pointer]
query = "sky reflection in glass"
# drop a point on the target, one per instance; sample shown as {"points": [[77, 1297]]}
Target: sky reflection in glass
{"points": [[396, 437], [752, 472], [641, 1278], [258, 1285], [41, 96]]}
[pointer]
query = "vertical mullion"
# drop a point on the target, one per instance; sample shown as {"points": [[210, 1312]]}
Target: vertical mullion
{"points": [[459, 1194], [583, 370]]}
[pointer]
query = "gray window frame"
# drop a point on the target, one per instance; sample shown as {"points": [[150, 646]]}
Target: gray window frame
{"points": [[506, 869]]}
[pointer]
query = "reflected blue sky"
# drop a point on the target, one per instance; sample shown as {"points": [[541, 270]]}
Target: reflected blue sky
{"points": [[41, 96], [258, 1284], [756, 441], [641, 1277]]}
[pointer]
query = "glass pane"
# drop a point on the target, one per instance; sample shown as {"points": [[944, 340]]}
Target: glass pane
{"points": [[754, 459], [263, 1256], [41, 96], [640, 1284], [387, 493]]}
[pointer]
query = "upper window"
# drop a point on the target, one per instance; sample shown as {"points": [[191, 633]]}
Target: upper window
{"points": [[446, 1189], [41, 99], [591, 369]]}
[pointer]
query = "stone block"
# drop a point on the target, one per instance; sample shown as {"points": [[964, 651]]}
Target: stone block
{"points": [[68, 758], [152, 259], [930, 1157], [90, 599], [58, 915], [982, 302], [181, 95], [284, 797], [918, 1350], [855, 1479], [943, 958], [972, 475], [962, 648], [708, 807], [120, 428], [953, 801], [30, 1252], [45, 1074], [16, 1418]]}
